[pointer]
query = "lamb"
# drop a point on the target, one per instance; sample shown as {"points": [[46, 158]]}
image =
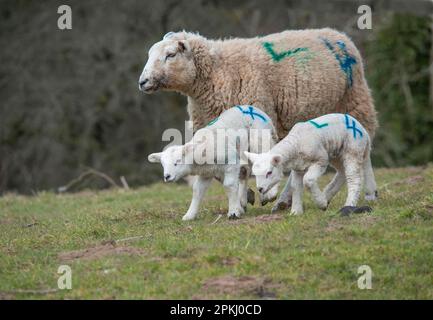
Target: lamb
{"points": [[244, 127], [292, 76], [308, 149]]}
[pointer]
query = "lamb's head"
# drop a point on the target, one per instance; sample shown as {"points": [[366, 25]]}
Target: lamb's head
{"points": [[267, 168], [170, 65], [174, 161]]}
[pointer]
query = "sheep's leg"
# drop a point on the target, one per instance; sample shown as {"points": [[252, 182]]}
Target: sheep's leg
{"points": [[313, 173], [370, 181], [354, 176], [199, 188], [297, 186], [243, 190], [285, 198], [335, 185], [231, 186]]}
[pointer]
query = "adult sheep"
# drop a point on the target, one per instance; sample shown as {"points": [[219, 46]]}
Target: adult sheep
{"points": [[292, 76]]}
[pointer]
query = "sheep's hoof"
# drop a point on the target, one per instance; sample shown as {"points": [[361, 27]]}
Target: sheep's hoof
{"points": [[266, 201], [251, 197], [347, 210], [280, 206], [233, 216], [363, 209]]}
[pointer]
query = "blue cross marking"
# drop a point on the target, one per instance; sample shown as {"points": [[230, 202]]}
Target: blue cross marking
{"points": [[352, 126], [251, 112], [344, 58]]}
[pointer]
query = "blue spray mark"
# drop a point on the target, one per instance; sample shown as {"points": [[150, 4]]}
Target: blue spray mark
{"points": [[251, 112], [352, 126], [318, 126], [343, 57]]}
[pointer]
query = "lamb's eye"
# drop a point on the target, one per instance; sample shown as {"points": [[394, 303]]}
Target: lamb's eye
{"points": [[170, 55], [268, 174]]}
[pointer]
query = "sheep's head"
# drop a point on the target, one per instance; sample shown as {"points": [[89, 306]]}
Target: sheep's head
{"points": [[267, 168], [170, 65], [174, 161]]}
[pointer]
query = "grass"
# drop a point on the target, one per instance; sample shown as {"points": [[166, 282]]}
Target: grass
{"points": [[313, 256]]}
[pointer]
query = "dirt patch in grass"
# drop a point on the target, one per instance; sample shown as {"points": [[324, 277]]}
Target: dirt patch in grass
{"points": [[366, 220], [411, 180], [232, 285], [6, 296], [99, 252], [259, 219]]}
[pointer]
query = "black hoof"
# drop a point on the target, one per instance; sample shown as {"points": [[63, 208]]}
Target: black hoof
{"points": [[345, 211], [251, 197], [363, 209], [233, 217]]}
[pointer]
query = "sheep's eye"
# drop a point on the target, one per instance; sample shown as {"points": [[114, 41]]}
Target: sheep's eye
{"points": [[170, 55], [268, 174]]}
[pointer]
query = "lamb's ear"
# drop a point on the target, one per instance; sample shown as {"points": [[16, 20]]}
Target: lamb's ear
{"points": [[276, 160], [154, 157], [251, 156]]}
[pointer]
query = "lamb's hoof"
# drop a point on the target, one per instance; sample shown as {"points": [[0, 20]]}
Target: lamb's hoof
{"points": [[266, 201], [233, 216], [251, 197], [347, 210], [280, 206], [363, 209]]}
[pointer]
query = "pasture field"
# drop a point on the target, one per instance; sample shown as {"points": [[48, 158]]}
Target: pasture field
{"points": [[132, 244]]}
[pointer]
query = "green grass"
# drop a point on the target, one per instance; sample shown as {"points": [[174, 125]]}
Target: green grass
{"points": [[315, 255]]}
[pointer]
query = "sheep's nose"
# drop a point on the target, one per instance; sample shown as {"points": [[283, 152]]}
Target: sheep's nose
{"points": [[141, 83], [167, 176], [260, 190]]}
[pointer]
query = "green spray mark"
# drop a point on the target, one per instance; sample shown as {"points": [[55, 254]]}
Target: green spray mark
{"points": [[318, 126], [212, 122], [277, 57]]}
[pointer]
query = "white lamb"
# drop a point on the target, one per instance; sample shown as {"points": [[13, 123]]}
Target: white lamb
{"points": [[241, 128], [335, 139]]}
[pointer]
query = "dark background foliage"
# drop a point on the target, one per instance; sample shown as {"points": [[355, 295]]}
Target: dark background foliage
{"points": [[69, 99]]}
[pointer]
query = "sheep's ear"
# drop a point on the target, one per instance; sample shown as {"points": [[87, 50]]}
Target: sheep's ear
{"points": [[276, 160], [251, 156], [168, 35], [182, 46], [154, 157]]}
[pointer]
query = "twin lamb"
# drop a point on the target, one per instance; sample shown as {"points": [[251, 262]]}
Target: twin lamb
{"points": [[310, 147]]}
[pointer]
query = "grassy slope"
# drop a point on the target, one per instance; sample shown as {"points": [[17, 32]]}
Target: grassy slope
{"points": [[315, 255]]}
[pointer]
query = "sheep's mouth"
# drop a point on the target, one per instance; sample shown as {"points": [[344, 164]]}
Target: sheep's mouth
{"points": [[151, 89]]}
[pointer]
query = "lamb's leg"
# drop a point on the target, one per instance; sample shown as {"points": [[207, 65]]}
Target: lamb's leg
{"points": [[354, 176], [199, 188], [335, 185], [370, 181], [297, 186], [231, 186], [243, 190], [285, 199], [314, 172]]}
